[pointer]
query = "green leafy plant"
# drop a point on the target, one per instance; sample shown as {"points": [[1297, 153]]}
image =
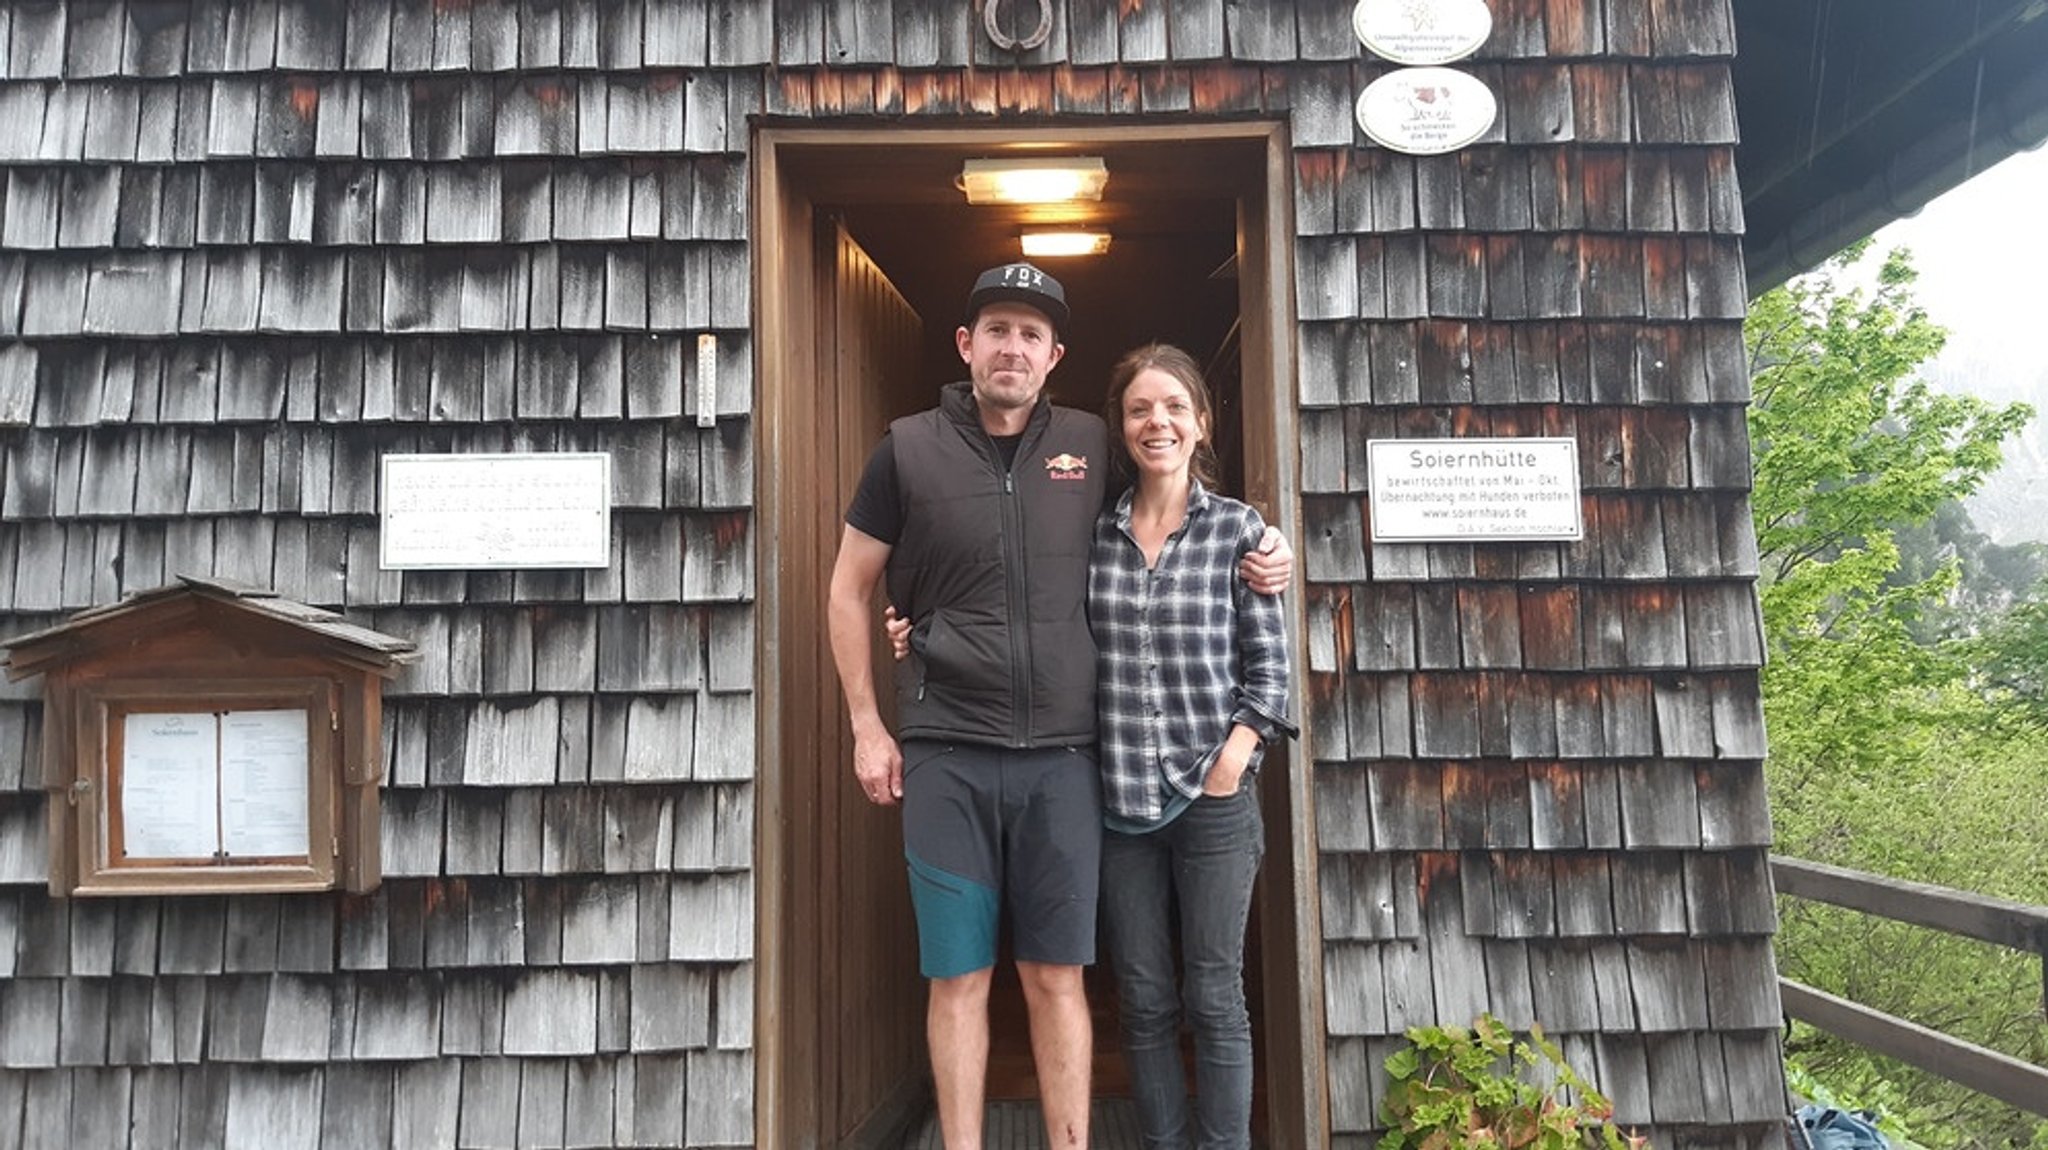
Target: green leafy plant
{"points": [[1486, 1089]]}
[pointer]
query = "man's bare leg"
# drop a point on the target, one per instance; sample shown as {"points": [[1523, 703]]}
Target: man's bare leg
{"points": [[956, 1026], [1063, 1047]]}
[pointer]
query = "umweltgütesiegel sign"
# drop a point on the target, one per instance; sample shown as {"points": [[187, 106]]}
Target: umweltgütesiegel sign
{"points": [[1422, 31], [1464, 490]]}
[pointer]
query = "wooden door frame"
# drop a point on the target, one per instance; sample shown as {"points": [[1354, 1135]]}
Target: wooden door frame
{"points": [[785, 316]]}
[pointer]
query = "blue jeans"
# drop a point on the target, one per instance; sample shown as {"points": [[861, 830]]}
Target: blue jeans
{"points": [[1202, 864]]}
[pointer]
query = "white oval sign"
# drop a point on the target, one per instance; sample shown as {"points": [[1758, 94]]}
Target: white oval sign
{"points": [[1422, 31], [1426, 111]]}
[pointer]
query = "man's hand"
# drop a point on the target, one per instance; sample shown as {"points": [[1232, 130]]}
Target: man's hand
{"points": [[898, 630], [1268, 568], [878, 766]]}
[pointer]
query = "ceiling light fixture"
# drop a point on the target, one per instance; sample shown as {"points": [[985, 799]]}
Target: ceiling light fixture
{"points": [[1049, 180], [1064, 243]]}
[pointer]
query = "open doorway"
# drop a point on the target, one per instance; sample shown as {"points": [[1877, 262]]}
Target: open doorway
{"points": [[864, 253]]}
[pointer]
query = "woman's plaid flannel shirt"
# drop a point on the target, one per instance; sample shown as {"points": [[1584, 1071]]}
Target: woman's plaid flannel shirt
{"points": [[1186, 651]]}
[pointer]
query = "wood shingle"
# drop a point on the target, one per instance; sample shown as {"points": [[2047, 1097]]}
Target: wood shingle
{"points": [[251, 246]]}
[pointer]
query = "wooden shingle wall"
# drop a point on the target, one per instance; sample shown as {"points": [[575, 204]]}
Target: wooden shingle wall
{"points": [[1538, 780], [248, 246]]}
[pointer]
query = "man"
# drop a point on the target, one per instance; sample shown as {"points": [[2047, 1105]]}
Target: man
{"points": [[980, 513]]}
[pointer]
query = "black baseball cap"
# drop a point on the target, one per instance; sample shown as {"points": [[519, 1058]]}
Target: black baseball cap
{"points": [[1020, 283]]}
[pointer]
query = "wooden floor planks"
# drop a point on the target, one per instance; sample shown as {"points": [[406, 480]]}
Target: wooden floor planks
{"points": [[1017, 1126]]}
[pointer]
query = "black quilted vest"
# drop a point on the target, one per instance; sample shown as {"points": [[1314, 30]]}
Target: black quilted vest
{"points": [[992, 567]]}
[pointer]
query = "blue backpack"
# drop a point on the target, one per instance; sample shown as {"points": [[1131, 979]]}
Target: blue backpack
{"points": [[1826, 1128]]}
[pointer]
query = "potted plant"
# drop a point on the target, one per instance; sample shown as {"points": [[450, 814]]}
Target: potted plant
{"points": [[1460, 1089]]}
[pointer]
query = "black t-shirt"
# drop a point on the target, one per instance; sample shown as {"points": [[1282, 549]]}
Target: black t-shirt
{"points": [[877, 507]]}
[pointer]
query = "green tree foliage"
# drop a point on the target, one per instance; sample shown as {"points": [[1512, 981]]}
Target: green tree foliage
{"points": [[1892, 751]]}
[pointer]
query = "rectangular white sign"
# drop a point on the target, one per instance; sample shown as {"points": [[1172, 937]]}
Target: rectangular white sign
{"points": [[199, 785], [263, 781], [169, 786], [1450, 490], [496, 510]]}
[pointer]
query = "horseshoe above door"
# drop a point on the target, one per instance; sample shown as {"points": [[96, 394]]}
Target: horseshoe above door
{"points": [[990, 20]]}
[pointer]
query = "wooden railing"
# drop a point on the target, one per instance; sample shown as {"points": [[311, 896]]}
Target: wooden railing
{"points": [[2011, 924]]}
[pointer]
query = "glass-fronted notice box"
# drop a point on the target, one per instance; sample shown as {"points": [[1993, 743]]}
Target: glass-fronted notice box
{"points": [[211, 738]]}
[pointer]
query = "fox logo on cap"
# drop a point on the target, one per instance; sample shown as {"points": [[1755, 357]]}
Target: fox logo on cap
{"points": [[1020, 283]]}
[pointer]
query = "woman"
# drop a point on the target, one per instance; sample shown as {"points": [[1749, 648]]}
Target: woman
{"points": [[1193, 683]]}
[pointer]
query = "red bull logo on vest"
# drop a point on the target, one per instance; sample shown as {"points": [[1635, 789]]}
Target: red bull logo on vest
{"points": [[1066, 465]]}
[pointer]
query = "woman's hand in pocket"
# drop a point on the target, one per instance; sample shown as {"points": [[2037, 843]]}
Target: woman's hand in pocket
{"points": [[1226, 774]]}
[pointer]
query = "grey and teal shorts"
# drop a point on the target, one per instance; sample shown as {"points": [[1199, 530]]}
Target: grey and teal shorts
{"points": [[989, 831]]}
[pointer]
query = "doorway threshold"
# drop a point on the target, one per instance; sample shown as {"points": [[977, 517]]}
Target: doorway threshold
{"points": [[1113, 1125]]}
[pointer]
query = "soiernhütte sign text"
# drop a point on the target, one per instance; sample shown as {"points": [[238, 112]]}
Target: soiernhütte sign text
{"points": [[1463, 490]]}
